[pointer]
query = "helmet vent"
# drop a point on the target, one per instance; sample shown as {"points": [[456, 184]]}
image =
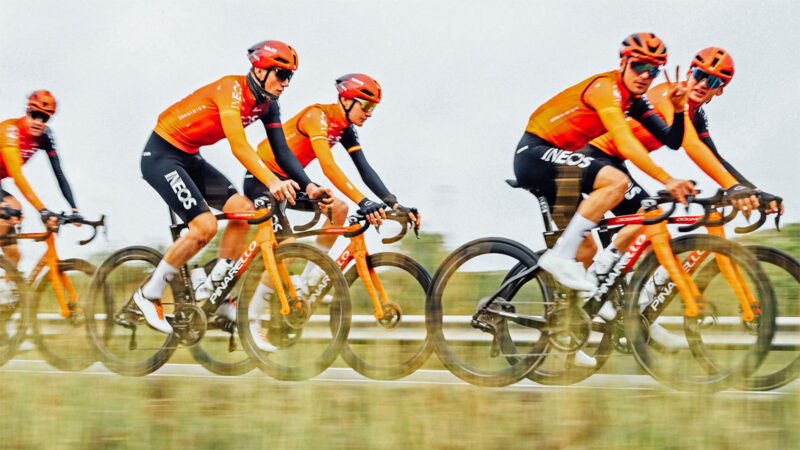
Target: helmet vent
{"points": [[281, 60], [366, 92]]}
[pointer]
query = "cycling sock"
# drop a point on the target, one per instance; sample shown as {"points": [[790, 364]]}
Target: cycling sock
{"points": [[259, 301], [311, 272], [158, 281], [567, 245]]}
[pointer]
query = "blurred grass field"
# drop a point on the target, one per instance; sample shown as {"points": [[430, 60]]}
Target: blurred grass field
{"points": [[74, 411]]}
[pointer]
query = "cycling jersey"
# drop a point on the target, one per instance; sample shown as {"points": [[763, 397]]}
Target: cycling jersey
{"points": [[17, 147], [221, 110], [311, 133], [595, 106], [696, 132]]}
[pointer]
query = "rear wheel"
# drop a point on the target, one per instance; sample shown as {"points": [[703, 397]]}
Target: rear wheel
{"points": [[127, 345], [63, 341], [399, 345]]}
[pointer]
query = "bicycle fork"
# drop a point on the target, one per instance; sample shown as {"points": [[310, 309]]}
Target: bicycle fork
{"points": [[277, 270], [59, 281], [368, 276]]}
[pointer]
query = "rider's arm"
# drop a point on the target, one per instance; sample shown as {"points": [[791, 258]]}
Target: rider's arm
{"points": [[286, 160], [700, 124], [228, 101], [671, 136], [368, 174], [13, 162], [601, 96], [55, 163], [706, 159], [314, 125]]}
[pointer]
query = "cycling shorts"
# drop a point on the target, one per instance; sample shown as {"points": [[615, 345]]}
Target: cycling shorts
{"points": [[185, 181], [635, 193]]}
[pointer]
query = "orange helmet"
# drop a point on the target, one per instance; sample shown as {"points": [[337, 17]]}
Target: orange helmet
{"points": [[714, 61], [268, 54], [42, 101], [644, 46], [358, 85]]}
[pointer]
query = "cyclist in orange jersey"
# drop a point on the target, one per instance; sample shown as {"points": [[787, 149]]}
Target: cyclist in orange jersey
{"points": [[710, 71], [172, 165], [20, 139], [568, 121]]}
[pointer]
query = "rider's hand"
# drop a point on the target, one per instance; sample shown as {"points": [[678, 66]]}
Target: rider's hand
{"points": [[76, 216], [742, 198], [373, 211], [315, 192], [49, 218], [415, 217], [677, 93], [679, 189], [774, 205], [283, 190]]}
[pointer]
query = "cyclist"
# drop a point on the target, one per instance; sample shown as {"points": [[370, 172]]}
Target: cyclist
{"points": [[172, 165], [710, 72], [20, 139], [568, 121], [310, 135]]}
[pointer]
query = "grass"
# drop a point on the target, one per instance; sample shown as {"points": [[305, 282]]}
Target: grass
{"points": [[73, 411]]}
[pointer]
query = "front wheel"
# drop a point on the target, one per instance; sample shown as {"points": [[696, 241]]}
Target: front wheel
{"points": [[716, 348], [397, 346], [127, 345], [307, 341], [63, 341]]}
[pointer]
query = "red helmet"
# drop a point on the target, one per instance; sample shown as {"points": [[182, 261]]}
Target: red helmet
{"points": [[268, 54], [42, 101], [644, 46], [714, 61], [358, 85]]}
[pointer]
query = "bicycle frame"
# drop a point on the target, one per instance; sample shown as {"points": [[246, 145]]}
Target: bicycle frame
{"points": [[60, 282]]}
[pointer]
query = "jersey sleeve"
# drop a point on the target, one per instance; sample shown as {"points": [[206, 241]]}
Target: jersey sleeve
{"points": [[13, 162], [314, 124], [228, 98], [284, 157], [603, 96], [700, 123], [368, 175], [49, 145], [671, 136]]}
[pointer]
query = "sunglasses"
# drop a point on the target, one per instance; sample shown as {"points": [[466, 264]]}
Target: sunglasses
{"points": [[283, 74], [640, 67], [366, 105], [39, 115], [712, 81]]}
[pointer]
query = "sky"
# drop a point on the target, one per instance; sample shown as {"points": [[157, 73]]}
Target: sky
{"points": [[460, 79]]}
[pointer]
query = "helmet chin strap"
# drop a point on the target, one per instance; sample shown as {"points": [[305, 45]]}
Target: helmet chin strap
{"points": [[258, 87], [347, 110]]}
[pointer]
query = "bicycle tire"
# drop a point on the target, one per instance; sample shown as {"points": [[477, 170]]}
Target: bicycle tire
{"points": [[14, 304], [204, 356], [101, 306], [515, 368], [787, 263], [282, 364], [711, 380], [419, 353], [85, 357]]}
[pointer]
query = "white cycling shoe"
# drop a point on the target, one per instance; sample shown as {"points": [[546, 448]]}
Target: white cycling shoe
{"points": [[584, 360], [664, 338], [260, 338], [566, 271], [153, 312]]}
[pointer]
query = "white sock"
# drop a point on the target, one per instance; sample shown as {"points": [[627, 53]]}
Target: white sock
{"points": [[259, 301], [567, 245], [163, 274], [311, 272]]}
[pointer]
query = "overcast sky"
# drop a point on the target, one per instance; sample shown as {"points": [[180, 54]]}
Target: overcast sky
{"points": [[460, 79]]}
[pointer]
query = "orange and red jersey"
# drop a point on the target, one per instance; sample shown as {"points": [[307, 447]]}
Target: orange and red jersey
{"points": [[310, 135], [697, 150], [17, 147], [588, 109]]}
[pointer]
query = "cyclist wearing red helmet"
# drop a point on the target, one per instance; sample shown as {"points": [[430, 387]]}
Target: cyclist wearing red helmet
{"points": [[172, 165], [19, 140], [568, 121]]}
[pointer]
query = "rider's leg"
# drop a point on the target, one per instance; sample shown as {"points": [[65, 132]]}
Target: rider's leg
{"points": [[234, 238], [339, 213], [10, 251]]}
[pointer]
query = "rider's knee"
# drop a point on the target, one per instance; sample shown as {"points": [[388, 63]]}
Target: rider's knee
{"points": [[339, 210], [203, 228], [237, 203]]}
